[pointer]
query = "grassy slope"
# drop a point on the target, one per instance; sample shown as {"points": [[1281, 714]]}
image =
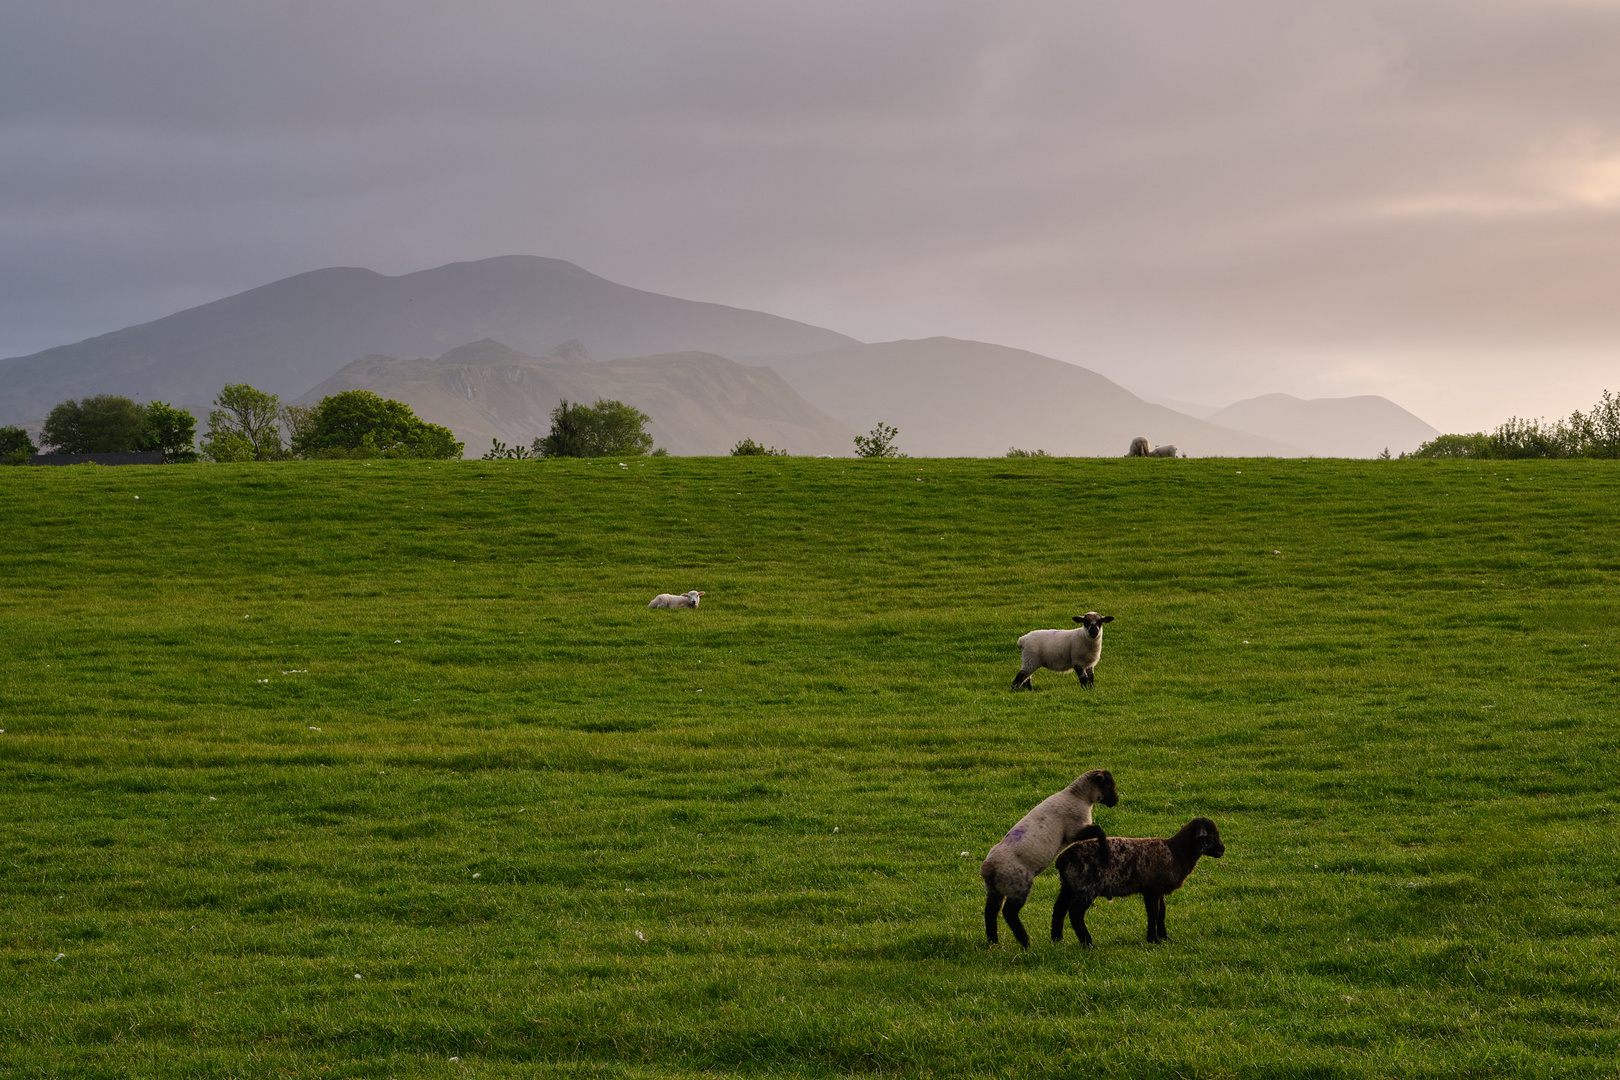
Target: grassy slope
{"points": [[1394, 685]]}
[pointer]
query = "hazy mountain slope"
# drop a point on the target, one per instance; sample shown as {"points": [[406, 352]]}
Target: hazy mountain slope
{"points": [[1358, 427], [699, 403], [968, 398], [286, 336]]}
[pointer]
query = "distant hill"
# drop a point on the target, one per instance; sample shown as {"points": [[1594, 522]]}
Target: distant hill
{"points": [[287, 336], [1353, 427], [699, 403], [967, 398]]}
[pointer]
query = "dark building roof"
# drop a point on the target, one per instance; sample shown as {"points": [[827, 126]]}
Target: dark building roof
{"points": [[140, 457]]}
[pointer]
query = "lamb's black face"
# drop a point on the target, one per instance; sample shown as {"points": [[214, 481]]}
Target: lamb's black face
{"points": [[1093, 622], [1209, 838], [1107, 795]]}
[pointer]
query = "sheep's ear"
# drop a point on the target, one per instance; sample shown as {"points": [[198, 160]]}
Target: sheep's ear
{"points": [[1079, 618], [1106, 618]]}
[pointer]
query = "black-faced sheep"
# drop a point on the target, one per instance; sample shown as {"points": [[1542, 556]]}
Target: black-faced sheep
{"points": [[1029, 847], [1074, 650], [1124, 866], [669, 600]]}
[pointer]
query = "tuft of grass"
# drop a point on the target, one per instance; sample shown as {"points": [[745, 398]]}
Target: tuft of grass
{"points": [[331, 767]]}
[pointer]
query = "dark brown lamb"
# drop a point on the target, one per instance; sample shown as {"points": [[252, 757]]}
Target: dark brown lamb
{"points": [[1124, 866]]}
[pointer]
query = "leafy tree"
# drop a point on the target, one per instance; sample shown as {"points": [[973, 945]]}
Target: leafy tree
{"points": [[605, 429], [104, 424], [296, 419], [243, 426], [15, 446], [170, 430], [878, 443], [750, 448], [359, 423]]}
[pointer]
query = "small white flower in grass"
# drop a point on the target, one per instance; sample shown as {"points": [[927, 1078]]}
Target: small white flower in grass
{"points": [[965, 855], [314, 729], [137, 496], [59, 956], [396, 641], [478, 875], [455, 1059], [835, 828], [640, 936], [212, 799], [262, 680], [357, 975]]}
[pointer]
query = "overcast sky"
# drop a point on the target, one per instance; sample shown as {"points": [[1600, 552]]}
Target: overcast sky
{"points": [[1203, 201]]}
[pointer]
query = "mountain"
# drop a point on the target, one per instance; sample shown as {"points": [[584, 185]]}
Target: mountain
{"points": [[699, 403], [1354, 427], [967, 398], [289, 335]]}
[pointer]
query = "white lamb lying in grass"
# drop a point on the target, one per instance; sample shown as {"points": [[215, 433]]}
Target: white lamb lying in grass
{"points": [[684, 600]]}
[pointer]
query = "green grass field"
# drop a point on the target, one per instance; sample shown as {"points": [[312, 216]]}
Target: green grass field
{"points": [[337, 769]]}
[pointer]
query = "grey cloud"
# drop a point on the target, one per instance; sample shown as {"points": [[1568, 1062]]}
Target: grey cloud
{"points": [[1191, 198]]}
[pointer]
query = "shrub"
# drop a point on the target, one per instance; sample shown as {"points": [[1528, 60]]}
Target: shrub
{"points": [[1014, 452], [878, 443], [605, 429], [750, 448]]}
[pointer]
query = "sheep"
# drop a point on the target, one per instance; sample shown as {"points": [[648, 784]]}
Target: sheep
{"points": [[1074, 650], [1139, 448], [1027, 849], [1126, 866], [684, 600]]}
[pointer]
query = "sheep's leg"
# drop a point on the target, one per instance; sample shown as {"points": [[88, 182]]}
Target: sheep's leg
{"points": [[1077, 918], [1059, 909], [992, 908], [1085, 676], [1153, 902], [1009, 911], [1163, 934]]}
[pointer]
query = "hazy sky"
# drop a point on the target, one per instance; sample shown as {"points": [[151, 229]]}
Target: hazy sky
{"points": [[1201, 200]]}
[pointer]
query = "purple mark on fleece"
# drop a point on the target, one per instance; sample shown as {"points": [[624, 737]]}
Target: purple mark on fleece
{"points": [[1016, 833]]}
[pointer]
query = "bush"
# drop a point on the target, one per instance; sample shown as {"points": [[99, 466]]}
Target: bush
{"points": [[750, 448], [499, 451], [1595, 434], [104, 424], [15, 446], [605, 429], [1014, 452], [360, 424], [878, 443]]}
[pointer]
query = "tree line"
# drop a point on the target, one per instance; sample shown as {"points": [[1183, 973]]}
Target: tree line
{"points": [[245, 424], [1592, 434]]}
